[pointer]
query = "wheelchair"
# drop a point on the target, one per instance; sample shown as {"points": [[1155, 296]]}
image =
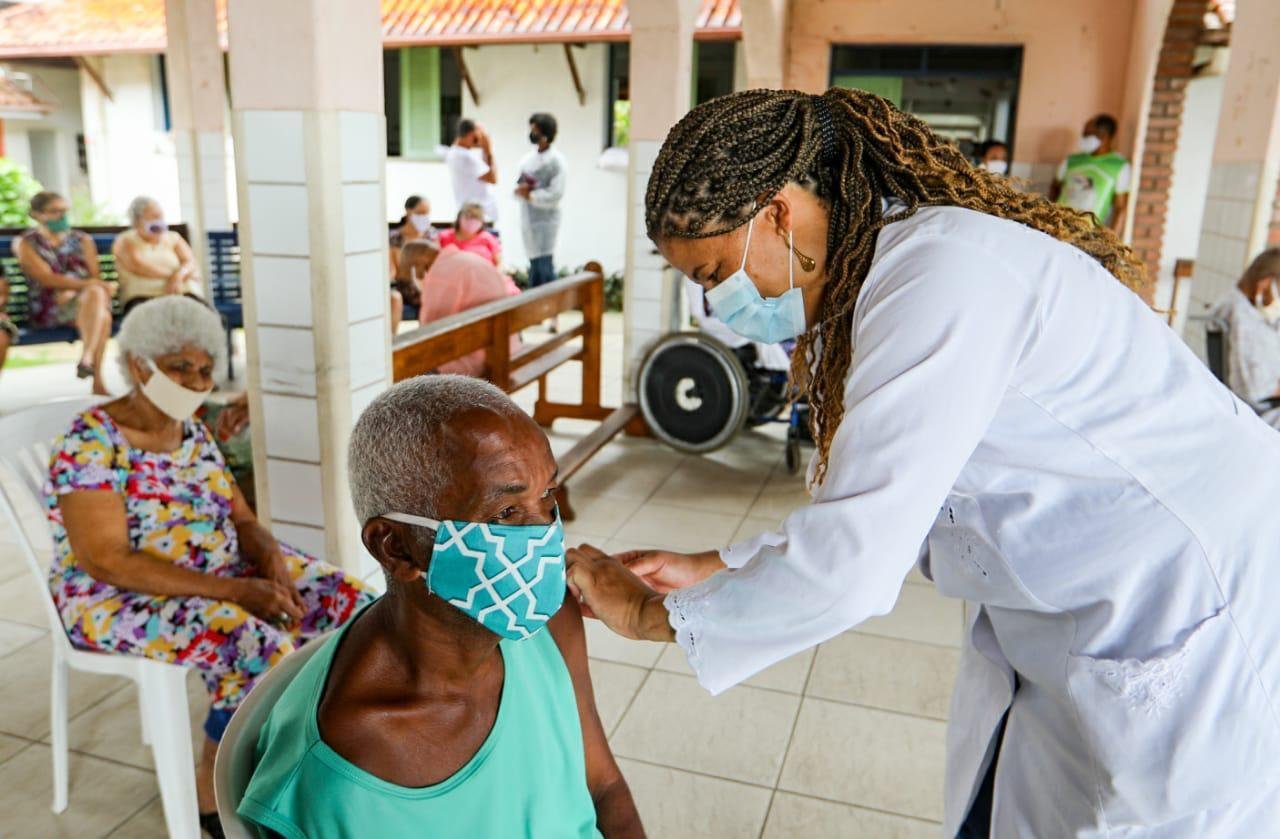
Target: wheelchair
{"points": [[696, 394]]}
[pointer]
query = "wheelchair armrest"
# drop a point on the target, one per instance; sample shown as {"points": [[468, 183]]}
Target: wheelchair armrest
{"points": [[1267, 404]]}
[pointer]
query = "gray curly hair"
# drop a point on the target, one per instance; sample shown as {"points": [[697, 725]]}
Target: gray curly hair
{"points": [[139, 205], [166, 325]]}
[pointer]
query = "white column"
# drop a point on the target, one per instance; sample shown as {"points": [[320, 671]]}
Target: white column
{"points": [[306, 81], [764, 42], [661, 65], [193, 61], [1246, 153]]}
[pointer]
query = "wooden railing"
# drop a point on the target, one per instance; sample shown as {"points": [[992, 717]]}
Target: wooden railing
{"points": [[490, 327]]}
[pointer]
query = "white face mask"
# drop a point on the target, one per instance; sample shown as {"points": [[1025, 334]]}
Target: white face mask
{"points": [[996, 167], [1089, 144], [1271, 311], [420, 221], [173, 399]]}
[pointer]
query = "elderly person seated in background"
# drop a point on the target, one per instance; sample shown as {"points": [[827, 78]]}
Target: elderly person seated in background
{"points": [[151, 259], [157, 554], [468, 234], [1250, 312], [453, 281], [414, 225], [67, 286], [444, 709]]}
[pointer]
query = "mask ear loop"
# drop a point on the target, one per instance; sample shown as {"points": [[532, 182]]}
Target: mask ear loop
{"points": [[791, 260], [746, 248]]}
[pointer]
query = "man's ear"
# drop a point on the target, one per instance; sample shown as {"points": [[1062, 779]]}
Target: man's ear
{"points": [[390, 544]]}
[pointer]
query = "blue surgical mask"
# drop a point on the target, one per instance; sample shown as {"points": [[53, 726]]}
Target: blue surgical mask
{"points": [[509, 578], [738, 303]]}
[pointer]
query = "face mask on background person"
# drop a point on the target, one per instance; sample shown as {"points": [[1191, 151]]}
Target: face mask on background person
{"points": [[470, 225], [1270, 311], [178, 402], [1090, 143], [420, 221], [738, 303], [534, 137], [509, 578], [58, 225], [155, 228], [997, 167]]}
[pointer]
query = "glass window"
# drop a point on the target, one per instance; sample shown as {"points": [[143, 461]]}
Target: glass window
{"points": [[422, 93], [617, 115]]}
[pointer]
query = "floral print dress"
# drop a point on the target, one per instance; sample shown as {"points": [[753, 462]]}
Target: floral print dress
{"points": [[178, 506]]}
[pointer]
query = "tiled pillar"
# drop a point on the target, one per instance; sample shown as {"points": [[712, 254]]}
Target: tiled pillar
{"points": [[193, 63], [764, 42], [661, 64], [1246, 154], [306, 82]]}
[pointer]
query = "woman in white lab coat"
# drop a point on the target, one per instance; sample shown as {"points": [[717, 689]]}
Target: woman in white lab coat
{"points": [[992, 401]]}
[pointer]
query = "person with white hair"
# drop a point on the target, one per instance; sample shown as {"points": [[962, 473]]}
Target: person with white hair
{"points": [[157, 554], [459, 703], [151, 259]]}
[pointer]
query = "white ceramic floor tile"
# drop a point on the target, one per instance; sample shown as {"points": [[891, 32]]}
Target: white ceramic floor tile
{"points": [[100, 796], [10, 746], [787, 675], [867, 757], [706, 735], [11, 562], [24, 690], [112, 728], [662, 525], [753, 526], [680, 804], [604, 644], [778, 497], [793, 816], [15, 635], [885, 673], [22, 600], [147, 823], [627, 471], [598, 517], [701, 484], [921, 614], [615, 685]]}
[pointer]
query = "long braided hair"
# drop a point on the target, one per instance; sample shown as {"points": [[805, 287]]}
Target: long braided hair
{"points": [[731, 155]]}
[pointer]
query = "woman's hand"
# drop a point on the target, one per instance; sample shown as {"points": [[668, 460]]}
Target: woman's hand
{"points": [[615, 596], [664, 571], [273, 566], [269, 599], [232, 419]]}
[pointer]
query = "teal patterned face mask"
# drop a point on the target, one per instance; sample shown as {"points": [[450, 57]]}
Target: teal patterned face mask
{"points": [[509, 578]]}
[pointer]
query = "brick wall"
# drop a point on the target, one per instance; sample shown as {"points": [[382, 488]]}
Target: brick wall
{"points": [[1173, 71]]}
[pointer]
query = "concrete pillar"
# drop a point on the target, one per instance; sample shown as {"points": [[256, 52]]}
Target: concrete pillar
{"points": [[661, 64], [197, 98], [1246, 153], [764, 42], [310, 140]]}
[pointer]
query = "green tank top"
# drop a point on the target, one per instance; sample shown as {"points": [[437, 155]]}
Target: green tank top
{"points": [[1090, 183], [528, 778]]}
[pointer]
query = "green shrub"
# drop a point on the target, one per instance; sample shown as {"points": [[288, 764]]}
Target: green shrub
{"points": [[85, 213], [16, 189]]}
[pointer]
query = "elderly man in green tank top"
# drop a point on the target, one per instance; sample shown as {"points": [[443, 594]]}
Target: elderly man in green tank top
{"points": [[458, 704], [1096, 178]]}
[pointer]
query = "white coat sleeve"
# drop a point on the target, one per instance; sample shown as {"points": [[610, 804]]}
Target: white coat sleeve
{"points": [[937, 339], [549, 196]]}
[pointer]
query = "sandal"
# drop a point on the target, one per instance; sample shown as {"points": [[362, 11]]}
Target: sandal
{"points": [[212, 825], [84, 371]]}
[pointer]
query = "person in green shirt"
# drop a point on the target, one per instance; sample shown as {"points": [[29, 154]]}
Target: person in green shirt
{"points": [[1096, 178], [459, 703]]}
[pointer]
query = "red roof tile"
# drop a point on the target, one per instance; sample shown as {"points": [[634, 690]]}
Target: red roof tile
{"points": [[14, 97], [103, 27]]}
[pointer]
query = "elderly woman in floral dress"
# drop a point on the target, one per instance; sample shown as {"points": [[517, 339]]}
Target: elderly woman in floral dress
{"points": [[157, 553]]}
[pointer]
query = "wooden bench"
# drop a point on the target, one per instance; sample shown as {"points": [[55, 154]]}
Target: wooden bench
{"points": [[489, 328]]}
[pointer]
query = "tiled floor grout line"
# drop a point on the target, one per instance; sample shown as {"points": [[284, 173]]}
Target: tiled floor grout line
{"points": [[791, 736], [24, 645], [882, 812], [127, 818], [632, 701]]}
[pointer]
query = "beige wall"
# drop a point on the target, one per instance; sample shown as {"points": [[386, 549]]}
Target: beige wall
{"points": [[1075, 61]]}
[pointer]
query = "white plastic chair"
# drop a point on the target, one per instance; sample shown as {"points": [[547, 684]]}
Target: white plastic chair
{"points": [[234, 765], [25, 440]]}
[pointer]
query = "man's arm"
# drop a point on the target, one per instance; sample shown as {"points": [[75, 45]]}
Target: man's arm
{"points": [[490, 175], [616, 814], [1118, 205]]}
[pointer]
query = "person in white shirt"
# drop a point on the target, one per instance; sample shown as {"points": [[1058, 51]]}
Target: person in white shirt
{"points": [[991, 401], [472, 169], [1250, 312]]}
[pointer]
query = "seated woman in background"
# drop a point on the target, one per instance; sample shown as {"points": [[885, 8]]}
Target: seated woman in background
{"points": [[156, 553], [1251, 314], [66, 285], [151, 259], [415, 224], [468, 234]]}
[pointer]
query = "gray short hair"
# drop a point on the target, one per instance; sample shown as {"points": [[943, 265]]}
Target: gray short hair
{"points": [[394, 462], [165, 325], [138, 206]]}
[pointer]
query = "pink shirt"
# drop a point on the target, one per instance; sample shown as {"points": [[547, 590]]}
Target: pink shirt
{"points": [[484, 244], [458, 281]]}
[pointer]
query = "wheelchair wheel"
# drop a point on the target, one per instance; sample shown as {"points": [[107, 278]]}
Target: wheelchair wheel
{"points": [[693, 392]]}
